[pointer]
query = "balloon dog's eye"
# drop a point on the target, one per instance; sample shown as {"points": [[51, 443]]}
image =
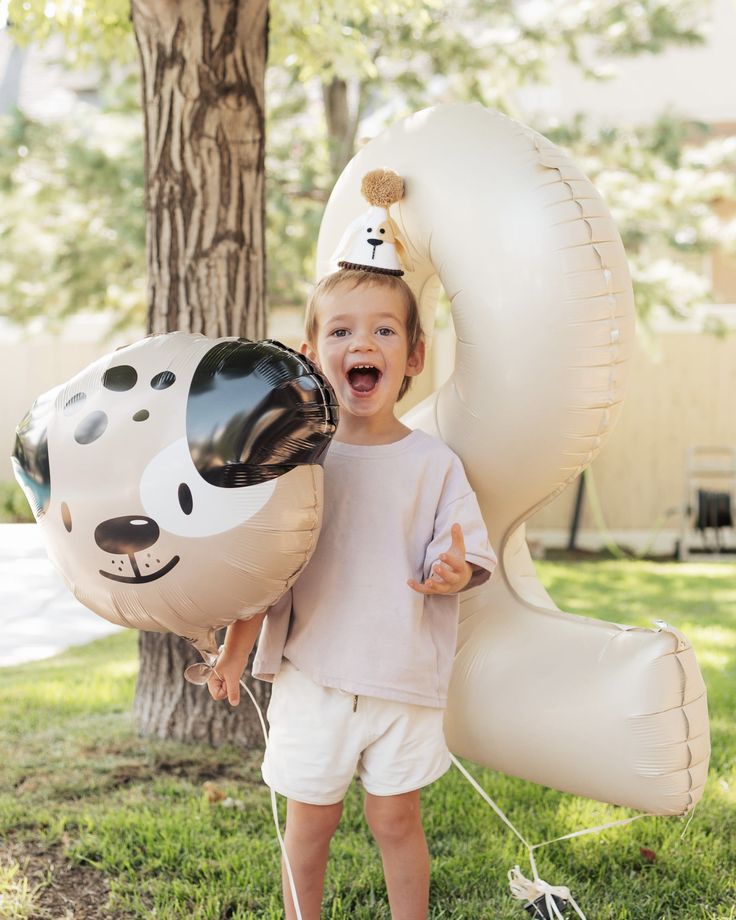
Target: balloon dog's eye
{"points": [[186, 502]]}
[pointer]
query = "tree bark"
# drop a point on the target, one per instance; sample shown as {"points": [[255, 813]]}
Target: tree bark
{"points": [[167, 706], [203, 66], [342, 124]]}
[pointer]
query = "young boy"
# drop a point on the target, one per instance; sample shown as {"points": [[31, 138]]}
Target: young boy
{"points": [[360, 651]]}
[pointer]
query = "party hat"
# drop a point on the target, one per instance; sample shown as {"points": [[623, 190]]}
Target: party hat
{"points": [[372, 242]]}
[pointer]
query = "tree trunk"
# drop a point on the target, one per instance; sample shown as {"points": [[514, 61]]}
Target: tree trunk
{"points": [[203, 66], [342, 124], [167, 706]]}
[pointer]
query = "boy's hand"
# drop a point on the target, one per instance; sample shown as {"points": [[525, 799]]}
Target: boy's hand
{"points": [[224, 684], [452, 573]]}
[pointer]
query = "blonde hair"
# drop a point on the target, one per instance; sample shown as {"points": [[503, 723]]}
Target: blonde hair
{"points": [[354, 278]]}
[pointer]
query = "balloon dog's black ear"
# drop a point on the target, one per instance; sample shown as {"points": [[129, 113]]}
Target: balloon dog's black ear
{"points": [[255, 411], [30, 456]]}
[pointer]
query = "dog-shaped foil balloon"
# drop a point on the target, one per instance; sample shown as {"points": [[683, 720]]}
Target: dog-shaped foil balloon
{"points": [[178, 480]]}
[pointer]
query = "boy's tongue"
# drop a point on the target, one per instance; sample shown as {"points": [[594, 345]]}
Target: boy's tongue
{"points": [[363, 379]]}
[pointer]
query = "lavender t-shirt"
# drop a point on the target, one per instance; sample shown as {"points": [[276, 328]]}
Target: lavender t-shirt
{"points": [[351, 621]]}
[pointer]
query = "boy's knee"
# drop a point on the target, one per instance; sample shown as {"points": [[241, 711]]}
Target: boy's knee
{"points": [[312, 822], [392, 819]]}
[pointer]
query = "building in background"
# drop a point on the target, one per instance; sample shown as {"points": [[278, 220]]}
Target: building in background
{"points": [[682, 388]]}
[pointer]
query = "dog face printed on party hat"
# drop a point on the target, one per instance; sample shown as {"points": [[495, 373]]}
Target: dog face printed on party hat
{"points": [[373, 242]]}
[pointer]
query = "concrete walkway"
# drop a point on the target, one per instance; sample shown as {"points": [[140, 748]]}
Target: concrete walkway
{"points": [[39, 616]]}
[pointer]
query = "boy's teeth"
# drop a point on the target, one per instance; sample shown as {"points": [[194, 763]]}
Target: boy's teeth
{"points": [[363, 377]]}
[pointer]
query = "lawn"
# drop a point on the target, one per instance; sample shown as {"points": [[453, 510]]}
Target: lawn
{"points": [[98, 823]]}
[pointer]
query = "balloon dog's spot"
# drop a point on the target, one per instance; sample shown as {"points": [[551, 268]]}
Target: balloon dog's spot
{"points": [[163, 380], [91, 427], [120, 378], [141, 415], [74, 404]]}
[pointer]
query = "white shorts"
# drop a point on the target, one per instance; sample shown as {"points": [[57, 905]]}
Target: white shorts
{"points": [[319, 737]]}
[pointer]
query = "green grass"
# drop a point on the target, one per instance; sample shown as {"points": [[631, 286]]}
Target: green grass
{"points": [[75, 780], [14, 508]]}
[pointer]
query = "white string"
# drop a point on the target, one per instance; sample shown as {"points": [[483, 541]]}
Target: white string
{"points": [[199, 674], [687, 825], [274, 809], [484, 795], [526, 889]]}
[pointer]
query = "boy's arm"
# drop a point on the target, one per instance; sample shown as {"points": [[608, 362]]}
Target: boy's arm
{"points": [[240, 638], [468, 561], [459, 555]]}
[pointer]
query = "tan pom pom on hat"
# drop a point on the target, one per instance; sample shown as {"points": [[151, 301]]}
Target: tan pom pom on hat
{"points": [[373, 242], [382, 188]]}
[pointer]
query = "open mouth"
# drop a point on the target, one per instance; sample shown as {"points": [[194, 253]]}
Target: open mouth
{"points": [[363, 378], [137, 578]]}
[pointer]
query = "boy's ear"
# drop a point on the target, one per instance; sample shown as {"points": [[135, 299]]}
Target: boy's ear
{"points": [[415, 361], [306, 349]]}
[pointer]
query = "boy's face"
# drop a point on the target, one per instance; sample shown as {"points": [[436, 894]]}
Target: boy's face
{"points": [[362, 347]]}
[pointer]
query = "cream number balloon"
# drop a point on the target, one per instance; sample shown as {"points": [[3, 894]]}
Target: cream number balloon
{"points": [[543, 308]]}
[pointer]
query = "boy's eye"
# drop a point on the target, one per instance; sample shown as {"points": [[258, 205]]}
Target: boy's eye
{"points": [[339, 333], [386, 330]]}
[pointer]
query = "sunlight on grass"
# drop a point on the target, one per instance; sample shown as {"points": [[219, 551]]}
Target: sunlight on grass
{"points": [[698, 569], [712, 636], [712, 658], [100, 688], [17, 898]]}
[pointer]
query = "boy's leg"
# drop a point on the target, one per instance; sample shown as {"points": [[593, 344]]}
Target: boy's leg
{"points": [[396, 823], [309, 829]]}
